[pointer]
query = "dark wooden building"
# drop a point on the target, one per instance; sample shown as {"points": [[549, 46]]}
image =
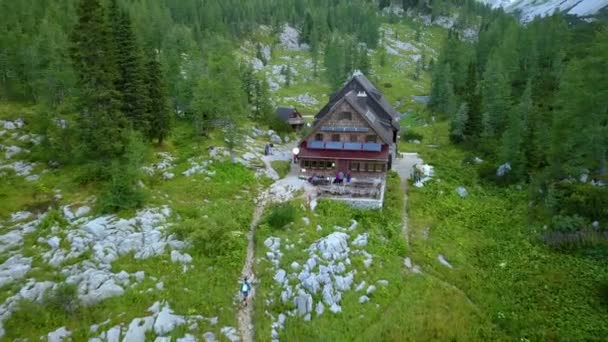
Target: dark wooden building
{"points": [[291, 116], [356, 133]]}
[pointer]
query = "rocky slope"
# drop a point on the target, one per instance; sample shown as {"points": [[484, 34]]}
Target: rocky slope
{"points": [[532, 8]]}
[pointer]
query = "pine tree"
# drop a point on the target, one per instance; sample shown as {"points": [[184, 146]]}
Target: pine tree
{"points": [[159, 114], [288, 76], [334, 63], [513, 139], [442, 91], [496, 94], [129, 59], [472, 98], [262, 108], [103, 129], [417, 70], [364, 64], [458, 123]]}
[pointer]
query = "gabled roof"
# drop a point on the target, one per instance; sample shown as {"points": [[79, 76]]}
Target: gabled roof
{"points": [[388, 116], [360, 105], [284, 113]]}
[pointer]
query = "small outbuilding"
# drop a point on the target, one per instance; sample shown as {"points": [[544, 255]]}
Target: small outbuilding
{"points": [[291, 116]]}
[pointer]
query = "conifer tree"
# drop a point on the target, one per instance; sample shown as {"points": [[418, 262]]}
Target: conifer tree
{"points": [[129, 59], [262, 108], [442, 90], [496, 94], [103, 129], [363, 64], [513, 139], [458, 123], [335, 63], [159, 114], [472, 98]]}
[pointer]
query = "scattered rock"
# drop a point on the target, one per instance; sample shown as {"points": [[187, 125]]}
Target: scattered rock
{"points": [[303, 303], [361, 240], [230, 333], [443, 261], [12, 151], [290, 39], [306, 220], [462, 191], [279, 277], [60, 334], [503, 169], [138, 328], [363, 299], [382, 282], [371, 289], [320, 308], [14, 268], [20, 216], [176, 256], [167, 321], [275, 139], [82, 211], [209, 337], [187, 338]]}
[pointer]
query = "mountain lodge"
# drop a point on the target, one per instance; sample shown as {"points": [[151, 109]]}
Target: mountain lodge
{"points": [[355, 133]]}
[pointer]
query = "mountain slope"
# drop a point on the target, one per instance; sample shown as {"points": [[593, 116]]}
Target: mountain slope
{"points": [[532, 8]]}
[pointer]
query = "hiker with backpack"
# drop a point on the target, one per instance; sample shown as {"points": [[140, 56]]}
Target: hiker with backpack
{"points": [[245, 289]]}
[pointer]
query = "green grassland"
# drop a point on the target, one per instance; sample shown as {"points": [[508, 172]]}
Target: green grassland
{"points": [[522, 288]]}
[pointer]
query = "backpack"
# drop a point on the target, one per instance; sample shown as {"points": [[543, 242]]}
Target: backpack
{"points": [[244, 287]]}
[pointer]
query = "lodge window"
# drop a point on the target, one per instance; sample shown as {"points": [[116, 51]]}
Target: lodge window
{"points": [[319, 137], [371, 138], [353, 138], [335, 137], [318, 164], [345, 116], [366, 167]]}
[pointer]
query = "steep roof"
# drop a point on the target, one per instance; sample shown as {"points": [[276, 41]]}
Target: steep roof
{"points": [[388, 116], [284, 113], [360, 104]]}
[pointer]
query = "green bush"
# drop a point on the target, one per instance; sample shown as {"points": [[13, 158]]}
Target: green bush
{"points": [[567, 223], [122, 190], [409, 134], [281, 215], [573, 198], [64, 298], [52, 218]]}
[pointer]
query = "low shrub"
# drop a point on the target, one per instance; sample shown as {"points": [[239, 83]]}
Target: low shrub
{"points": [[52, 218], [409, 135], [585, 238], [574, 198], [567, 224], [281, 215], [64, 298], [121, 191]]}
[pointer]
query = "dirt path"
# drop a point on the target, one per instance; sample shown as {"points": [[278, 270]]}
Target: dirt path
{"points": [[404, 166], [244, 313], [281, 190]]}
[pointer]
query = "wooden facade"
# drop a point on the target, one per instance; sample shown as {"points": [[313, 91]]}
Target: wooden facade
{"points": [[355, 133]]}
